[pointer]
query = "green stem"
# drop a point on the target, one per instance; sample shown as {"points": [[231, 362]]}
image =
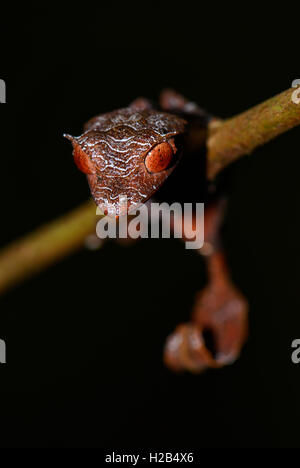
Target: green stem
{"points": [[46, 245], [240, 135]]}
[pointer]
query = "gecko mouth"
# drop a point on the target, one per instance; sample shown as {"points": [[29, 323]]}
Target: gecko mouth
{"points": [[115, 210]]}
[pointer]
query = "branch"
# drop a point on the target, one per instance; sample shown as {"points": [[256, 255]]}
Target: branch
{"points": [[46, 245], [240, 135], [226, 142]]}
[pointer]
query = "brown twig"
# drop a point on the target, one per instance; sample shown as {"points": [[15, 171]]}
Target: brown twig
{"points": [[226, 142]]}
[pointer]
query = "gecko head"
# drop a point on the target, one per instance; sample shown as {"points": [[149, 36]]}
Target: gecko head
{"points": [[127, 155]]}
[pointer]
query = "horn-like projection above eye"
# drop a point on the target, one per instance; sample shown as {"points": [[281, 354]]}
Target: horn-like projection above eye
{"points": [[82, 160], [160, 157]]}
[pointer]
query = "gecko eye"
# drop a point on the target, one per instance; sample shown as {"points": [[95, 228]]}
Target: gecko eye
{"points": [[160, 157], [82, 161]]}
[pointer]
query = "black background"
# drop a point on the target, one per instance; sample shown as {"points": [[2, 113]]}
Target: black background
{"points": [[85, 338]]}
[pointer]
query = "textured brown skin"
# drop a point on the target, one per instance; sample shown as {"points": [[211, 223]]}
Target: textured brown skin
{"points": [[219, 308], [116, 145]]}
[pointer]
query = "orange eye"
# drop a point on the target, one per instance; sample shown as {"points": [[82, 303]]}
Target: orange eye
{"points": [[82, 161], [160, 156]]}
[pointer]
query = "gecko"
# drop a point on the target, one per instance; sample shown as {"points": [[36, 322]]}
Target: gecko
{"points": [[129, 154]]}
